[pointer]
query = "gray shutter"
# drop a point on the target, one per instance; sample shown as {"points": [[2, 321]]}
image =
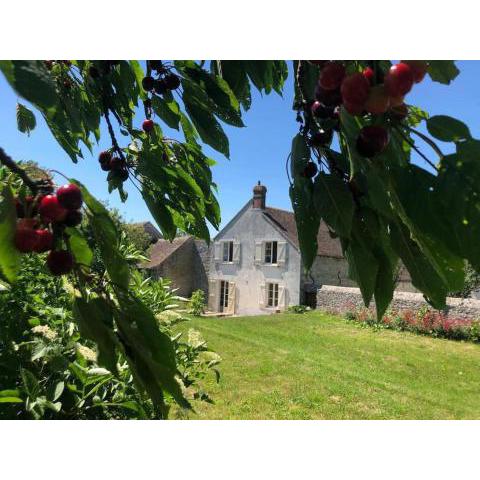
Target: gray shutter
{"points": [[231, 298], [263, 299], [212, 295], [217, 251], [258, 252], [282, 296], [236, 252], [281, 253]]}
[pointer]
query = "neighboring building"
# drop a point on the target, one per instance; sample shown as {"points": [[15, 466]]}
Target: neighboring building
{"points": [[254, 264], [149, 229], [184, 261]]}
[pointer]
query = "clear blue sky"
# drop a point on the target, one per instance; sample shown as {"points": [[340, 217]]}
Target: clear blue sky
{"points": [[258, 151]]}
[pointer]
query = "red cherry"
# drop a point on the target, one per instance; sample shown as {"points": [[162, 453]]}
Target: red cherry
{"points": [[329, 98], [419, 69], [354, 109], [147, 125], [355, 89], [73, 218], [60, 262], [70, 196], [369, 74], [331, 76], [25, 239], [116, 163], [147, 83], [321, 111], [104, 156], [399, 80], [378, 100], [171, 81], [50, 209], [44, 240], [372, 140]]}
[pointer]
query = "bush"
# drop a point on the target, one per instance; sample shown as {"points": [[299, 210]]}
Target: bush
{"points": [[196, 305], [50, 372], [297, 309], [423, 321]]}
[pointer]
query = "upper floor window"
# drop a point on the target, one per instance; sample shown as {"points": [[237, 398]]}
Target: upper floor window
{"points": [[271, 249], [228, 251], [270, 252]]}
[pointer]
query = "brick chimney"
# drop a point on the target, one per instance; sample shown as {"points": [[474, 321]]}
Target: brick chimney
{"points": [[259, 196]]}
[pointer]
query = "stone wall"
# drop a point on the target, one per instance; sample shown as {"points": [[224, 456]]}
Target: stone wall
{"points": [[342, 299], [178, 268], [334, 271], [201, 265]]}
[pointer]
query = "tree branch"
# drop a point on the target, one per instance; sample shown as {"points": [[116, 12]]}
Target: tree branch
{"points": [[12, 165]]}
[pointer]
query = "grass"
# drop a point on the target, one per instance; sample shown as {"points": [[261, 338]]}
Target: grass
{"points": [[316, 366]]}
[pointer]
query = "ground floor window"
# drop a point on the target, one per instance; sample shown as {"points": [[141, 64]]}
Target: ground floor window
{"points": [[223, 295], [272, 294]]}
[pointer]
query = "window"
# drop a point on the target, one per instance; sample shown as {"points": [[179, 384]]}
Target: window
{"points": [[271, 252], [223, 295], [272, 294], [228, 251]]}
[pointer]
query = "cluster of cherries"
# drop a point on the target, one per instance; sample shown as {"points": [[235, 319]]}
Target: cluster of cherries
{"points": [[361, 93], [41, 221], [161, 82], [114, 164]]}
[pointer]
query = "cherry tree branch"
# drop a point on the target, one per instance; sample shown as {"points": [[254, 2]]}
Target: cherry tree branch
{"points": [[12, 165]]}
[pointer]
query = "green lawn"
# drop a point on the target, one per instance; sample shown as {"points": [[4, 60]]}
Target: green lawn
{"points": [[316, 366]]}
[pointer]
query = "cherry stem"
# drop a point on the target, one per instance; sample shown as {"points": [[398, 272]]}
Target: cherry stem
{"points": [[112, 134], [412, 144], [428, 140]]}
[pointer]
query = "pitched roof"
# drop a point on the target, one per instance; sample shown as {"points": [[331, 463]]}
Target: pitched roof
{"points": [[150, 229], [162, 249], [285, 221]]}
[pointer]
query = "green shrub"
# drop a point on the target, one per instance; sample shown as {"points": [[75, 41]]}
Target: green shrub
{"points": [[297, 309], [196, 305]]}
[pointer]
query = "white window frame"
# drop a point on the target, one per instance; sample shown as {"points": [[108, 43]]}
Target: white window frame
{"points": [[272, 292], [223, 300], [227, 251], [269, 246]]}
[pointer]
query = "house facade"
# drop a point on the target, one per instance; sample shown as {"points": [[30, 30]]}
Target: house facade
{"points": [[254, 264]]}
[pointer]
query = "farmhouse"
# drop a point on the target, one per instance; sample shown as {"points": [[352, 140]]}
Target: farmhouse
{"points": [[254, 264]]}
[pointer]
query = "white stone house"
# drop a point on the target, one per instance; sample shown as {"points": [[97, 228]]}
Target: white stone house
{"points": [[254, 264]]}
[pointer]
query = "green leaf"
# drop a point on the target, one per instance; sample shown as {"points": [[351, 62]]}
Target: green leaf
{"points": [[94, 317], [147, 345], [10, 400], [300, 155], [209, 129], [442, 71], [31, 80], [301, 194], [235, 75], [79, 247], [30, 383], [362, 268], [334, 203], [161, 214], [168, 111], [423, 275], [447, 129], [25, 119], [9, 393], [107, 237], [9, 255]]}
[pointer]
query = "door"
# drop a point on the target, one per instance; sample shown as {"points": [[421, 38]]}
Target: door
{"points": [[224, 291]]}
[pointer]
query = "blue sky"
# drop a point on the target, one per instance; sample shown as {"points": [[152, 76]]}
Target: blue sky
{"points": [[257, 152]]}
